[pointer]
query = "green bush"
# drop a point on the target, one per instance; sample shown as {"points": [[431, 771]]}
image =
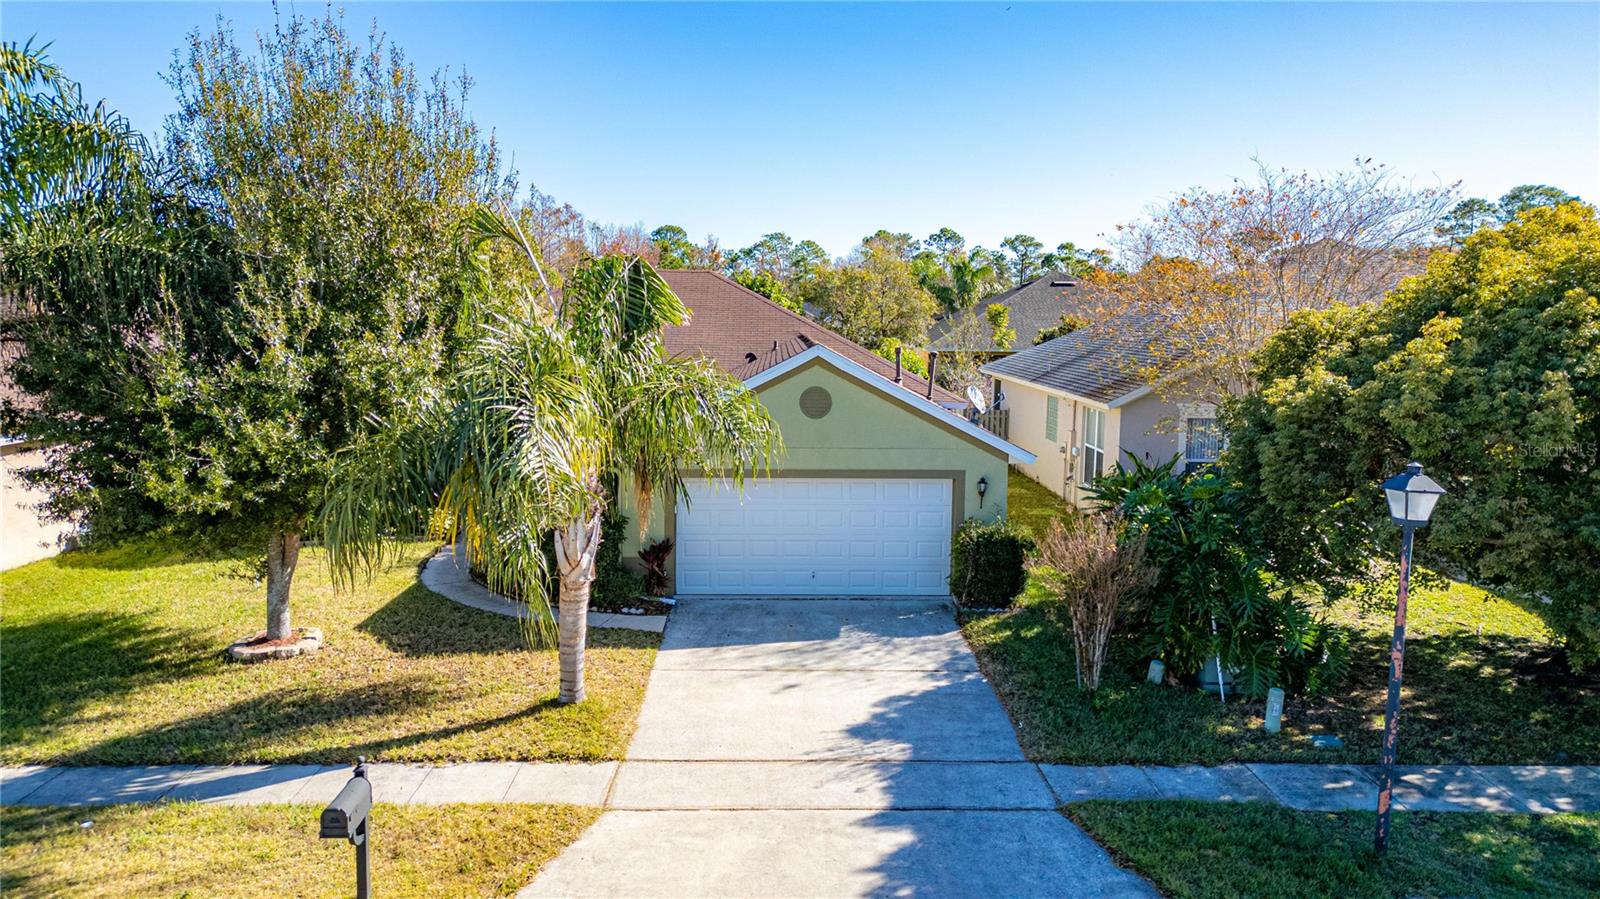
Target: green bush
{"points": [[988, 563], [1486, 368], [1212, 568], [615, 584]]}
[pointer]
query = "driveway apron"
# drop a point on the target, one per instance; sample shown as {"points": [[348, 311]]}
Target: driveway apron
{"points": [[827, 748]]}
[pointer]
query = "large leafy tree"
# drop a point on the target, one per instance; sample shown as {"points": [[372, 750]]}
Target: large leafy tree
{"points": [[98, 253], [298, 273], [1487, 370], [555, 402], [875, 294]]}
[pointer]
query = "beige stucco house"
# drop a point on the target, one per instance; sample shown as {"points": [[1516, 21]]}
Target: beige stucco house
{"points": [[1083, 402], [877, 473], [26, 534]]}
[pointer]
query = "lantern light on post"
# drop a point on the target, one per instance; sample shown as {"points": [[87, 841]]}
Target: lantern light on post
{"points": [[1412, 496]]}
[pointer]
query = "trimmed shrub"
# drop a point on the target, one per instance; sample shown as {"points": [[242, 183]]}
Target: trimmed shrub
{"points": [[988, 563]]}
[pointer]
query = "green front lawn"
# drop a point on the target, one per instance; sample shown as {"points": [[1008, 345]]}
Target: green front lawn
{"points": [[172, 849], [1202, 850], [116, 657], [1483, 685]]}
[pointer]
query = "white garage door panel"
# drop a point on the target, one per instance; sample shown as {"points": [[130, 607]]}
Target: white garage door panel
{"points": [[816, 537]]}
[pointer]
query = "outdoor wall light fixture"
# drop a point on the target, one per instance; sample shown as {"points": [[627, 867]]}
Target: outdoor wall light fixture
{"points": [[983, 487], [1412, 496]]}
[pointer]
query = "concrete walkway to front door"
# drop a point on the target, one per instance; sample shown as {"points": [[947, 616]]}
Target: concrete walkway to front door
{"points": [[827, 748]]}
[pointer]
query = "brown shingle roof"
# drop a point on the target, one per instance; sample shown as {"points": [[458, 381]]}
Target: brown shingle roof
{"points": [[1034, 306], [1104, 362], [745, 333]]}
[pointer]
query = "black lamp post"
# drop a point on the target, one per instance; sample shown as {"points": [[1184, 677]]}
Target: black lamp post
{"points": [[1411, 496]]}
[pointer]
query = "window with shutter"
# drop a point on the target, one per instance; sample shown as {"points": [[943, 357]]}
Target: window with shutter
{"points": [[1051, 418]]}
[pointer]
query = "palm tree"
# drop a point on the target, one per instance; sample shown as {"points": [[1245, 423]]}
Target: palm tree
{"points": [[555, 399]]}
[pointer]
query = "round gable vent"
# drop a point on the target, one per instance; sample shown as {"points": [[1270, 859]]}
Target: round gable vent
{"points": [[815, 402]]}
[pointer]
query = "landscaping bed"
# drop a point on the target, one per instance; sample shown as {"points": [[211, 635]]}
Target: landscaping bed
{"points": [[187, 849], [116, 657], [1484, 685], [1200, 849]]}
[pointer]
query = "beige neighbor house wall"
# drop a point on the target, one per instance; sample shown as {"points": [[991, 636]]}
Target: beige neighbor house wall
{"points": [[25, 536], [864, 433], [1148, 427]]}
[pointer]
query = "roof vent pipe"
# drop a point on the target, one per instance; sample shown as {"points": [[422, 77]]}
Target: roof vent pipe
{"points": [[933, 368], [897, 351]]}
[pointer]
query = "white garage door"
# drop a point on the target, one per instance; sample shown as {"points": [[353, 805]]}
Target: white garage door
{"points": [[816, 537]]}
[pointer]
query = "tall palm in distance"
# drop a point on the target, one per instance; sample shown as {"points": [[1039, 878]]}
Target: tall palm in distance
{"points": [[556, 401]]}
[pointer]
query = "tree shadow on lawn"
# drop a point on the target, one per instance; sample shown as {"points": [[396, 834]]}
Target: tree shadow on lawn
{"points": [[1468, 699], [268, 728], [420, 622], [55, 666]]}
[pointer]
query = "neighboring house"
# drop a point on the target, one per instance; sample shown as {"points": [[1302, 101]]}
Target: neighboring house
{"points": [[875, 478], [1083, 402], [1035, 306], [26, 535]]}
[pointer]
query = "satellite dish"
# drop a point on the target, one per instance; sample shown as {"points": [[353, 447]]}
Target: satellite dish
{"points": [[975, 397]]}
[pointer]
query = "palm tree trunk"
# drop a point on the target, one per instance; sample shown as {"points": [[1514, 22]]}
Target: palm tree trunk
{"points": [[573, 620], [576, 545], [283, 552]]}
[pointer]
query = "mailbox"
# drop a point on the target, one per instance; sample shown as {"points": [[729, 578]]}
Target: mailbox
{"points": [[345, 818]]}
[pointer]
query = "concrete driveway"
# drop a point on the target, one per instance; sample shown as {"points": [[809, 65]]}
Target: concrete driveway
{"points": [[826, 748]]}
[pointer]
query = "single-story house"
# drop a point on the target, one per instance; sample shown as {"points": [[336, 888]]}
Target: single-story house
{"points": [[1035, 306], [1084, 401], [877, 474]]}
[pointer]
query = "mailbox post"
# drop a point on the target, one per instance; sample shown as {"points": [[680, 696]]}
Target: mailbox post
{"points": [[346, 818]]}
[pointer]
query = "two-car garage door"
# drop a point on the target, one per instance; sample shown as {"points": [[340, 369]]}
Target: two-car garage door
{"points": [[816, 537]]}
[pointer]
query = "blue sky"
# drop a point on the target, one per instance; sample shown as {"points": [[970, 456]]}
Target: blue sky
{"points": [[830, 121]]}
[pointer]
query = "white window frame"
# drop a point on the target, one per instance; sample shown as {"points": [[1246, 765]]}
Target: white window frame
{"points": [[1189, 412], [1094, 446]]}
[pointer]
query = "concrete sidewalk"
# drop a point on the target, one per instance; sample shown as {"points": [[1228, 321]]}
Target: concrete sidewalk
{"points": [[848, 784], [573, 783]]}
